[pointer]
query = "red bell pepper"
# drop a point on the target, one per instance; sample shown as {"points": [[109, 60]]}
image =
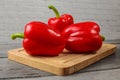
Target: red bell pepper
{"points": [[40, 39], [60, 22], [83, 37]]}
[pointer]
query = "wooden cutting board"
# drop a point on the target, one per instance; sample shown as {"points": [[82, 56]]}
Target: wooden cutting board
{"points": [[64, 64]]}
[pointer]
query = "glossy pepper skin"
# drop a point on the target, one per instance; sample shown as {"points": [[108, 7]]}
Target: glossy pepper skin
{"points": [[83, 37], [40, 39], [59, 22]]}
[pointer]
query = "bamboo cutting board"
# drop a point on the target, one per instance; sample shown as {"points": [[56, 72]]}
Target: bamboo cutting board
{"points": [[64, 64]]}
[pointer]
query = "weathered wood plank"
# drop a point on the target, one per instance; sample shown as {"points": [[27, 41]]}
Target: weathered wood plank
{"points": [[5, 47], [96, 75], [10, 69], [17, 13]]}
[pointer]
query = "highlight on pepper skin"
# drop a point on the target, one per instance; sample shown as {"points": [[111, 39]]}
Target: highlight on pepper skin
{"points": [[40, 39], [83, 37], [59, 22]]}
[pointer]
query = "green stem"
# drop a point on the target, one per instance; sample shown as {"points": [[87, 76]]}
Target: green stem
{"points": [[17, 35], [55, 10], [103, 37]]}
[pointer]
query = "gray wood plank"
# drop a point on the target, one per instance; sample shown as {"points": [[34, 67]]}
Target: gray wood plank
{"points": [[97, 75], [10, 69], [4, 48], [15, 14]]}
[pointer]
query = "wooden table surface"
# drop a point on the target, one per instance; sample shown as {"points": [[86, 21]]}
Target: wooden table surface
{"points": [[14, 14]]}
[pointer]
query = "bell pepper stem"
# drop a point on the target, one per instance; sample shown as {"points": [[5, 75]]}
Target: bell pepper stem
{"points": [[103, 37], [55, 10], [17, 35]]}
